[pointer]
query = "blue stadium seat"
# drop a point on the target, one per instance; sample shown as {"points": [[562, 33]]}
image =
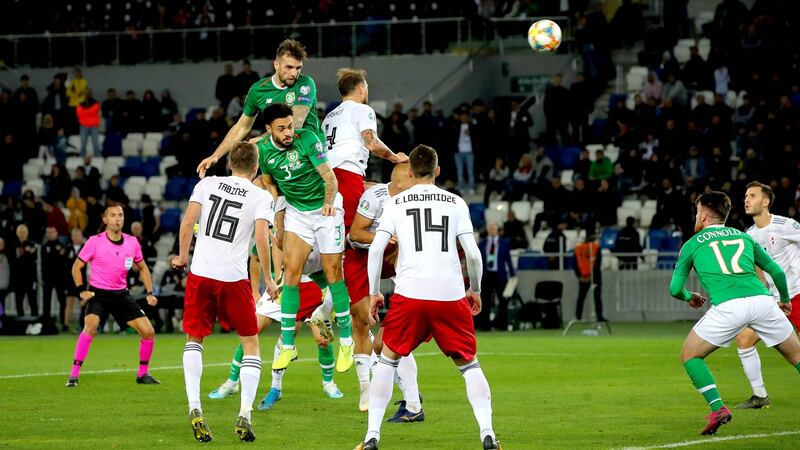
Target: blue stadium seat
{"points": [[568, 158], [134, 167], [151, 167], [171, 220], [166, 145], [112, 145], [608, 238], [175, 188], [12, 188], [655, 238], [670, 244], [191, 116], [190, 184], [612, 101], [476, 213], [598, 130], [532, 261]]}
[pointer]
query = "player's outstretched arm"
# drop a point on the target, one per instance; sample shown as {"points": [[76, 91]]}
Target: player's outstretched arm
{"points": [[331, 188], [374, 144], [237, 132], [474, 269], [147, 281], [185, 234]]}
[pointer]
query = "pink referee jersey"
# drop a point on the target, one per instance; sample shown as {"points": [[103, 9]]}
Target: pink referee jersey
{"points": [[110, 260]]}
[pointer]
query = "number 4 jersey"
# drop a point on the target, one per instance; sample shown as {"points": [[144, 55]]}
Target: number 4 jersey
{"points": [[230, 208], [427, 221], [725, 260]]}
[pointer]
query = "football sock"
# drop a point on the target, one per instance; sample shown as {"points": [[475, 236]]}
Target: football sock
{"points": [[236, 364], [479, 395], [81, 350], [319, 279], [380, 393], [341, 305], [251, 372], [797, 366], [362, 369], [192, 371], [751, 363], [326, 362], [145, 352], [704, 382], [277, 375], [407, 377], [290, 304], [327, 303]]}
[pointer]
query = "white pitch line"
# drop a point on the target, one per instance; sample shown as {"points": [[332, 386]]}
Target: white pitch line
{"points": [[717, 439]]}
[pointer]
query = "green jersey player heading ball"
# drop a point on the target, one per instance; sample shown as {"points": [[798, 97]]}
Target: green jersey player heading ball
{"points": [[725, 260], [287, 85]]}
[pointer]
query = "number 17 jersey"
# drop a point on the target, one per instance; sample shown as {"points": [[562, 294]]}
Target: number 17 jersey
{"points": [[230, 208], [427, 221]]}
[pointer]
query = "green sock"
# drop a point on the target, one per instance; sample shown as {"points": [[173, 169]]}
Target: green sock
{"points": [[319, 279], [236, 364], [325, 355], [704, 382], [290, 304], [341, 306], [797, 366]]}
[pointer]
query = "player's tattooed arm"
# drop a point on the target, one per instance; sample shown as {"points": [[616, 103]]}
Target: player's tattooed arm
{"points": [[299, 114], [374, 144], [331, 187]]}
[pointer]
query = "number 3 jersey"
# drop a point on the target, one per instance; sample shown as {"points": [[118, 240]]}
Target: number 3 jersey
{"points": [[724, 259], [427, 221], [230, 208], [781, 239]]}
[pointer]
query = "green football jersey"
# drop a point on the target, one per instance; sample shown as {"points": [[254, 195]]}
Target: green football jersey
{"points": [[295, 169], [725, 261], [302, 93]]}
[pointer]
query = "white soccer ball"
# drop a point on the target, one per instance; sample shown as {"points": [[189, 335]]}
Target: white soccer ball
{"points": [[544, 36]]}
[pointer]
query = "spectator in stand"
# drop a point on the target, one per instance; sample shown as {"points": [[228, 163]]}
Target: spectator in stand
{"points": [[168, 110], [674, 90], [556, 201], [426, 127], [151, 218], [227, 88], [130, 114], [52, 140], [719, 169], [582, 198], [148, 250], [31, 97], [721, 80], [54, 263], [752, 167], [56, 103], [784, 196], [76, 91], [58, 183], [628, 24], [557, 110], [555, 243], [574, 219], [151, 112], [628, 241], [32, 215], [602, 168], [629, 170], [24, 272], [114, 192], [77, 209], [583, 166], [88, 113], [588, 268], [656, 42], [582, 94], [520, 123], [514, 231], [606, 203], [671, 207], [520, 182], [5, 277], [235, 108], [73, 250], [94, 216], [497, 180], [26, 105], [543, 168], [497, 268], [465, 156], [695, 165], [55, 218], [246, 78], [652, 87], [111, 110], [92, 177]]}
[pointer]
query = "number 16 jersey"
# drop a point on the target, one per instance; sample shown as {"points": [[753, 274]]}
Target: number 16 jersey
{"points": [[230, 208], [427, 221]]}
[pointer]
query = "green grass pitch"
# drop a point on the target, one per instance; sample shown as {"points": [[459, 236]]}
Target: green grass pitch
{"points": [[578, 392]]}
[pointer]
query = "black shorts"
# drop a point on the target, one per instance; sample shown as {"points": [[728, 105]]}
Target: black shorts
{"points": [[117, 303]]}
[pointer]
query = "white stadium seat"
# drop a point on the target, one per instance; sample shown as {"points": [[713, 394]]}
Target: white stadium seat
{"points": [[522, 210], [135, 137], [134, 191], [566, 178], [150, 148], [631, 204], [155, 191], [131, 147], [154, 136]]}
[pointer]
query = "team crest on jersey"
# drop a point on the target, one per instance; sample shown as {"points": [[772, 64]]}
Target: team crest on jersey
{"points": [[292, 155], [796, 225], [304, 90], [290, 96], [365, 205], [318, 146]]}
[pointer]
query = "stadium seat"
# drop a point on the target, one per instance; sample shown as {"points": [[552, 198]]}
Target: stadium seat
{"points": [[536, 244], [624, 213], [612, 152], [634, 82], [568, 158], [532, 261], [31, 171], [640, 70], [36, 185], [134, 191], [131, 147], [476, 211], [536, 207], [112, 145], [175, 188], [591, 148], [650, 204], [141, 181], [150, 148], [631, 204], [151, 167], [171, 220], [646, 218], [497, 212], [655, 238], [135, 137], [154, 136], [12, 188], [522, 210], [155, 191], [608, 237], [74, 143], [566, 178], [133, 167]]}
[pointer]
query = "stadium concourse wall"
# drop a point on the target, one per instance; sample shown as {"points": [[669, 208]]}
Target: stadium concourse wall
{"points": [[628, 295], [445, 79]]}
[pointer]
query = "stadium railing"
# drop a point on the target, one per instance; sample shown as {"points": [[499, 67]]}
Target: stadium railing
{"points": [[372, 37]]}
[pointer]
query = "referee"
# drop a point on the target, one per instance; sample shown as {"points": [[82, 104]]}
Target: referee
{"points": [[111, 255]]}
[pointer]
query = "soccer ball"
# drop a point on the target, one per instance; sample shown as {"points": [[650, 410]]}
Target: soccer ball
{"points": [[544, 36]]}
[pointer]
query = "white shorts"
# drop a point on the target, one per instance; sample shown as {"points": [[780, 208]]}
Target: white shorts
{"points": [[721, 324], [323, 232], [266, 307]]}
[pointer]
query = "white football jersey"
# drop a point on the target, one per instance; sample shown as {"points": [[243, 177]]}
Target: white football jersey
{"points": [[343, 127], [230, 208], [427, 222], [370, 205], [781, 240]]}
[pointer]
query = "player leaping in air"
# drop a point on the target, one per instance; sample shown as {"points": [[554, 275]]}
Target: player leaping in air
{"points": [[429, 298], [725, 260]]}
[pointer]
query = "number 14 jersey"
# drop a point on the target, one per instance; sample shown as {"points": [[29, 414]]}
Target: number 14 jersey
{"points": [[230, 208], [427, 221]]}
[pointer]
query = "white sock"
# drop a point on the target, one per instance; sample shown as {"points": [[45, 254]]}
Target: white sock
{"points": [[327, 304], [346, 342], [479, 395], [751, 363], [380, 393], [249, 375], [362, 369], [192, 371], [407, 375], [277, 375]]}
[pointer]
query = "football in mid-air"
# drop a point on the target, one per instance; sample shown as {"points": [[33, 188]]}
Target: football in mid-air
{"points": [[544, 36]]}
